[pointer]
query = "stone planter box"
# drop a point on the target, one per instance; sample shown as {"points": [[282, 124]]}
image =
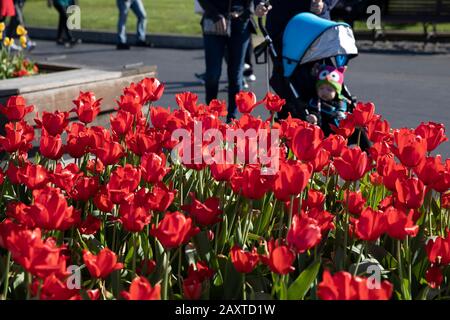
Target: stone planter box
{"points": [[56, 89]]}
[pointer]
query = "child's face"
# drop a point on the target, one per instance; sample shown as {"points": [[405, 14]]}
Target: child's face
{"points": [[326, 92]]}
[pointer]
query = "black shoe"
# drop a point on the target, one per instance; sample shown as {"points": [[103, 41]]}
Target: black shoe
{"points": [[201, 77], [123, 46], [75, 41], [142, 44], [60, 42]]}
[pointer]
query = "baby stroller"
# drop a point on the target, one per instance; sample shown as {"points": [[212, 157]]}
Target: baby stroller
{"points": [[308, 40]]}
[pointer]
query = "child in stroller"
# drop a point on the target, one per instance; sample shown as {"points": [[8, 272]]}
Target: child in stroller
{"points": [[328, 107], [311, 66]]}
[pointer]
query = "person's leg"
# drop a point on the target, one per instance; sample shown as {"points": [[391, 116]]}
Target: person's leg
{"points": [[214, 52], [123, 7], [16, 20], [61, 22], [138, 8], [237, 46]]}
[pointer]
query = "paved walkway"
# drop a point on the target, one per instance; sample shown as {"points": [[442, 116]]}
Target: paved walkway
{"points": [[406, 88]]}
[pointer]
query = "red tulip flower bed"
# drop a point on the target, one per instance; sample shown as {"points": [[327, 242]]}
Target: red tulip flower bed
{"points": [[137, 212]]}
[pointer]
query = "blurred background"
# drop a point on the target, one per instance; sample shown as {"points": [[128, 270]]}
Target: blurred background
{"points": [[178, 16]]}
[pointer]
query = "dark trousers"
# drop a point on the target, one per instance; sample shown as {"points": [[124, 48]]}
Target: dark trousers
{"points": [[234, 47], [62, 25], [17, 20]]}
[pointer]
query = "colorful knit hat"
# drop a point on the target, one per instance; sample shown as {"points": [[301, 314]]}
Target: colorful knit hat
{"points": [[332, 76]]}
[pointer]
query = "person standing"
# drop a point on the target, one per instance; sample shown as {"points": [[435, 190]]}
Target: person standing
{"points": [[138, 9], [226, 31], [63, 31], [18, 20], [6, 9]]}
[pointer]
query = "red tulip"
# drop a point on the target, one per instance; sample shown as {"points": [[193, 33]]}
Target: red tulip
{"points": [[334, 144], [174, 230], [154, 167], [429, 170], [102, 264], [410, 192], [90, 225], [147, 267], [245, 101], [354, 201], [123, 181], [133, 217], [304, 233], [322, 159], [78, 140], [50, 146], [102, 200], [434, 276], [65, 178], [400, 224], [87, 107], [433, 133], [346, 126], [363, 113], [438, 250], [445, 200], [204, 212], [411, 148], [315, 199], [343, 286], [53, 122], [306, 142], [141, 289], [222, 172], [352, 165], [192, 288], [153, 89], [53, 288], [159, 117], [40, 258], [378, 130], [50, 210], [370, 225], [291, 179], [131, 103], [279, 259], [18, 136], [15, 109], [161, 197], [122, 123], [109, 152], [201, 272], [391, 171], [145, 142], [34, 176], [273, 102], [324, 219], [187, 101], [84, 188], [244, 261], [251, 182], [217, 106]]}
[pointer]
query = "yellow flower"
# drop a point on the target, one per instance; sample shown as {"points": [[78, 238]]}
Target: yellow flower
{"points": [[23, 41], [8, 42], [21, 31], [2, 26], [1, 36]]}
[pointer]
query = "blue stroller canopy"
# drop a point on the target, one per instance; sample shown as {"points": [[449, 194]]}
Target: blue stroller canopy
{"points": [[308, 38]]}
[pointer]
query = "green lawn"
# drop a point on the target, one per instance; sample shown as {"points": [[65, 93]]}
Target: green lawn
{"points": [[164, 16]]}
